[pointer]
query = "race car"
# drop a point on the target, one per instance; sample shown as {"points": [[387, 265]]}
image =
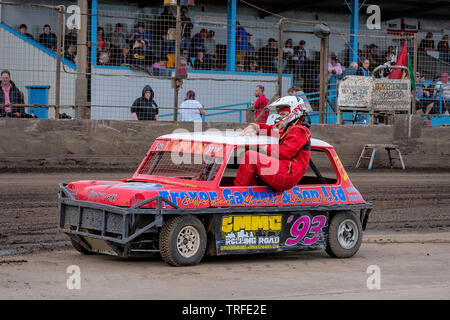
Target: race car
{"points": [[181, 203]]}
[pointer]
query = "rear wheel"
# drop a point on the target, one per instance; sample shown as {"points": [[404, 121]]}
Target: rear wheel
{"points": [[182, 241], [344, 236]]}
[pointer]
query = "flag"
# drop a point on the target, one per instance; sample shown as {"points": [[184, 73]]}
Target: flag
{"points": [[411, 74], [402, 60]]}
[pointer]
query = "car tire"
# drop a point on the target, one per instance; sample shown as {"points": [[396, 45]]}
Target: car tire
{"points": [[182, 241], [344, 235], [80, 248]]}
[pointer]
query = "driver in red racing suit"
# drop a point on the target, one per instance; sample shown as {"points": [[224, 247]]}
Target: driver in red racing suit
{"points": [[283, 165]]}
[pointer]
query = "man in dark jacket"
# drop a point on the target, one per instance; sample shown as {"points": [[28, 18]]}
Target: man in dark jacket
{"points": [[48, 38], [145, 108], [10, 95]]}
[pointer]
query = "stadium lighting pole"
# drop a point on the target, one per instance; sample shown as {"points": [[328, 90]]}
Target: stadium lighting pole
{"points": [[177, 63]]}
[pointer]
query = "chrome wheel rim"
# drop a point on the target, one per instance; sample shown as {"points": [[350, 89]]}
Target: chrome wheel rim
{"points": [[188, 241], [348, 234]]}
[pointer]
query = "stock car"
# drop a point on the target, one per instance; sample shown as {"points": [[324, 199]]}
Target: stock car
{"points": [[181, 204]]}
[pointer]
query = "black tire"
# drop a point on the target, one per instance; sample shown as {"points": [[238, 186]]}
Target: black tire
{"points": [[192, 231], [344, 235], [80, 248]]}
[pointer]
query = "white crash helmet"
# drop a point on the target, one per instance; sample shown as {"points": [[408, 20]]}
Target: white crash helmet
{"points": [[296, 106]]}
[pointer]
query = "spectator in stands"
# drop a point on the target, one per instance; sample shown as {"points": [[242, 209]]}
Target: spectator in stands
{"points": [[427, 43], [364, 69], [443, 92], [422, 93], [372, 55], [140, 34], [300, 51], [241, 43], [191, 109], [71, 38], [260, 104], [48, 38], [23, 31], [10, 94], [198, 42], [124, 58], [187, 25], [288, 55], [160, 28], [200, 62], [444, 49], [185, 55], [103, 58], [145, 107], [161, 63], [138, 54], [352, 70], [102, 43], [251, 52], [267, 55], [70, 53], [210, 46], [334, 67], [118, 38], [184, 63]]}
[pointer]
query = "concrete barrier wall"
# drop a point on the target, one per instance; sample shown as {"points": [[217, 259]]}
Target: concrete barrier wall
{"points": [[45, 144]]}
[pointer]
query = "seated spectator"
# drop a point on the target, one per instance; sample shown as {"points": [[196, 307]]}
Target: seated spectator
{"points": [[71, 38], [210, 47], [200, 62], [444, 49], [241, 43], [250, 64], [161, 63], [267, 55], [70, 53], [47, 38], [198, 42], [442, 93], [102, 44], [364, 69], [422, 93], [141, 34], [288, 56], [10, 96], [191, 109], [185, 55], [103, 59], [118, 38], [23, 31], [427, 43], [352, 70], [251, 52], [334, 67], [373, 57], [124, 58], [138, 54]]}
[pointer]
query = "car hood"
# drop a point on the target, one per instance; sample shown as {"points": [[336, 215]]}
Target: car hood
{"points": [[127, 194]]}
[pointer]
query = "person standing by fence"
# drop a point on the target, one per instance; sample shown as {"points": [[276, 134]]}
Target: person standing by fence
{"points": [[260, 104], [145, 108], [191, 109]]}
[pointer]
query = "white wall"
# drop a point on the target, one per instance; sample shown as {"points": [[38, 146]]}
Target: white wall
{"points": [[125, 87], [31, 66]]}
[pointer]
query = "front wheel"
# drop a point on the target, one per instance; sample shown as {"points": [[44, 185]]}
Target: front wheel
{"points": [[182, 241], [344, 236]]}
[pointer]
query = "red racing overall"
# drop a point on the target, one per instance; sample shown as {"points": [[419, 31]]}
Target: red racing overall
{"points": [[281, 169]]}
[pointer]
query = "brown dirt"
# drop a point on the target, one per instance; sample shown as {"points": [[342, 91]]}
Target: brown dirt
{"points": [[403, 201]]}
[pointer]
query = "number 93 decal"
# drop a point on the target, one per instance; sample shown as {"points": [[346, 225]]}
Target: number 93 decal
{"points": [[303, 226]]}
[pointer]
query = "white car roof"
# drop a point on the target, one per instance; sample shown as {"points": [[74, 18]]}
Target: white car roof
{"points": [[231, 137]]}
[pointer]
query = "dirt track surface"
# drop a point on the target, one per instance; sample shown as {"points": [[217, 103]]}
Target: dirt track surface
{"points": [[403, 201], [408, 237]]}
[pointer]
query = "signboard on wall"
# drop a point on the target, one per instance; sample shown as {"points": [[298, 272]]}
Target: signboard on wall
{"points": [[355, 91], [391, 95]]}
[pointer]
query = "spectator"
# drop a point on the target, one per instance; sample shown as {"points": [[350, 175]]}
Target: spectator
{"points": [[444, 50], [138, 54], [200, 62], [198, 42], [250, 47], [23, 31], [364, 70], [266, 56], [47, 38], [169, 48], [118, 38], [103, 59], [300, 51], [443, 92], [10, 94], [71, 38], [160, 28], [241, 43], [422, 93], [140, 34], [184, 64], [102, 44], [124, 58], [372, 55], [334, 67], [260, 104], [288, 55], [70, 53], [145, 108], [191, 109], [210, 47], [187, 25], [427, 43], [352, 70], [161, 63], [250, 64], [185, 55]]}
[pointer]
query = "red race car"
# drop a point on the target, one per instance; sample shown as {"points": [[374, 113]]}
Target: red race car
{"points": [[181, 203]]}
